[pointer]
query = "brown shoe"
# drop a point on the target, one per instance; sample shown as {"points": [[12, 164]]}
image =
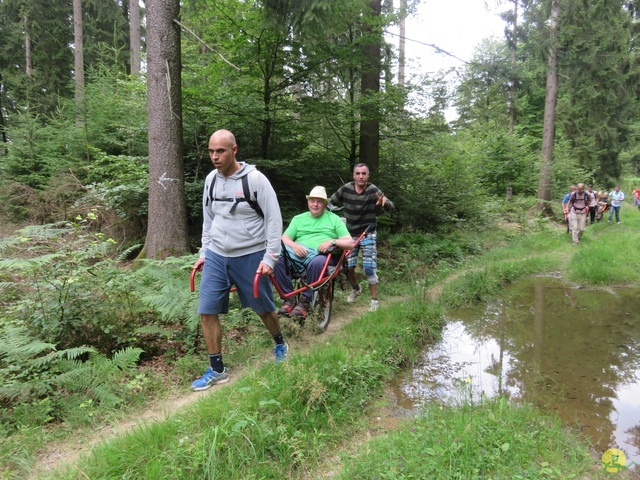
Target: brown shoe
{"points": [[287, 307], [302, 308]]}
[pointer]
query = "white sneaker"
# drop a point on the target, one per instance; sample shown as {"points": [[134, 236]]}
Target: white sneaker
{"points": [[354, 294], [373, 306]]}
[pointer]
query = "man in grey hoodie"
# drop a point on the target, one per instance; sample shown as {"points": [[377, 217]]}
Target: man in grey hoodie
{"points": [[240, 237]]}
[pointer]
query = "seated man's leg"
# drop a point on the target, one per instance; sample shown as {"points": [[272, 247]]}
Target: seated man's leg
{"points": [[314, 269], [286, 285], [283, 279]]}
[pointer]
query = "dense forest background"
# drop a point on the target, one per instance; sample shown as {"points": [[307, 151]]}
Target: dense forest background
{"points": [[293, 81], [106, 107]]}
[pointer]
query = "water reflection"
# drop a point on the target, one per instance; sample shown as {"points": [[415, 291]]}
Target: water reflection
{"points": [[572, 350]]}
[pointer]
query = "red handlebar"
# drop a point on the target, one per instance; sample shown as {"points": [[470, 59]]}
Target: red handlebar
{"points": [[256, 285], [256, 279], [192, 279]]}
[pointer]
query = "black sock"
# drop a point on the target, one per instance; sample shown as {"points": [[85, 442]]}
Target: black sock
{"points": [[279, 339], [216, 362]]}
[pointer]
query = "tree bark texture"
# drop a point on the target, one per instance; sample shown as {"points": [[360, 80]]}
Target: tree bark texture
{"points": [[3, 122], [134, 36], [402, 43], [78, 55], [370, 86], [513, 50], [167, 223], [28, 63], [548, 133], [512, 40]]}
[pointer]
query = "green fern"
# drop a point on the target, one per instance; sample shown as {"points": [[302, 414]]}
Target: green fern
{"points": [[69, 291], [20, 265], [18, 346], [164, 287], [25, 364], [126, 359], [125, 254], [98, 377], [8, 243], [31, 369]]}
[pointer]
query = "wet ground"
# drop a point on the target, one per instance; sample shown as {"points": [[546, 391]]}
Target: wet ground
{"points": [[570, 350]]}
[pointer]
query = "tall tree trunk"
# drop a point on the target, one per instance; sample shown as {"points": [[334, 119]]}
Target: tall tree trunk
{"points": [[513, 50], [267, 124], [353, 119], [78, 55], [370, 86], [513, 93], [3, 123], [28, 62], [402, 43], [167, 223], [548, 133], [134, 37]]}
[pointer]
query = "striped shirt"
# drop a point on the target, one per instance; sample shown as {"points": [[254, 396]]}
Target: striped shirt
{"points": [[359, 208]]}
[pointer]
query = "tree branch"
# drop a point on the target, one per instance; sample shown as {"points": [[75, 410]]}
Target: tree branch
{"points": [[205, 44]]}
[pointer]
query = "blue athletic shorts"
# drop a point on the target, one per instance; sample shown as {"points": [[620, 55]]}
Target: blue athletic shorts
{"points": [[369, 253], [220, 273]]}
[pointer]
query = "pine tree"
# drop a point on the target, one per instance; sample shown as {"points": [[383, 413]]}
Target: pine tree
{"points": [[167, 223]]}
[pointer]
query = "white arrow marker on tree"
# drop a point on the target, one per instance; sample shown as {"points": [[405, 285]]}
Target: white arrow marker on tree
{"points": [[163, 178]]}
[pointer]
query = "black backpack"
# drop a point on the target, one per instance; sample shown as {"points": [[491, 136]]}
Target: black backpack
{"points": [[587, 200], [247, 196]]}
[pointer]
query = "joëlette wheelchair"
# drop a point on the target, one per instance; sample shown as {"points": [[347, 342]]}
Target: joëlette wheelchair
{"points": [[323, 288]]}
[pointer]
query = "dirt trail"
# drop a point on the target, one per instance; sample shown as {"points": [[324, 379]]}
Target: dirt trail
{"points": [[380, 421], [70, 451]]}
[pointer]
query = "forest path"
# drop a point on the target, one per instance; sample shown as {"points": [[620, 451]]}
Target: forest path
{"points": [[69, 451]]}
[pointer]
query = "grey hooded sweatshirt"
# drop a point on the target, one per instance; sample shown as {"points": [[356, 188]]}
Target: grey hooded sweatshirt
{"points": [[234, 232]]}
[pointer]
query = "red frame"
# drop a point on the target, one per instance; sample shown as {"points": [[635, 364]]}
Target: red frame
{"points": [[318, 283]]}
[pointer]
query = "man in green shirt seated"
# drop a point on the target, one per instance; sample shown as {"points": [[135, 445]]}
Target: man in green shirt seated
{"points": [[310, 237]]}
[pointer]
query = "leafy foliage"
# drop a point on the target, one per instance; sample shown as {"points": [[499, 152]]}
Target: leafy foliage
{"points": [[162, 287], [37, 378], [433, 187], [117, 188], [71, 292]]}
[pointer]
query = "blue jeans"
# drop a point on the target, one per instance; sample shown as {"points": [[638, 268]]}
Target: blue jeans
{"points": [[615, 210], [314, 269]]}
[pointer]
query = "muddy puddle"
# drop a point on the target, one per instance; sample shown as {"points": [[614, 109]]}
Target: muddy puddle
{"points": [[573, 351]]}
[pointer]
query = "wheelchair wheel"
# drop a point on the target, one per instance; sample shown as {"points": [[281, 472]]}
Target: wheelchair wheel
{"points": [[323, 305]]}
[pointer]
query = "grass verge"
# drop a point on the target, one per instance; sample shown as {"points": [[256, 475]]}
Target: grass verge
{"points": [[273, 420], [278, 420], [494, 439]]}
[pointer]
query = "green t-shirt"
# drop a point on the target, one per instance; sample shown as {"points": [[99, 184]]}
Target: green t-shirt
{"points": [[311, 232]]}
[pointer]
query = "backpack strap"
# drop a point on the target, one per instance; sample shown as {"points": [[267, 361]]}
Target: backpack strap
{"points": [[253, 203], [247, 195], [585, 196], [210, 196]]}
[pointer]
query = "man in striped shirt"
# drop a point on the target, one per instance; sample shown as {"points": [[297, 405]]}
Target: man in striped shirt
{"points": [[360, 200]]}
